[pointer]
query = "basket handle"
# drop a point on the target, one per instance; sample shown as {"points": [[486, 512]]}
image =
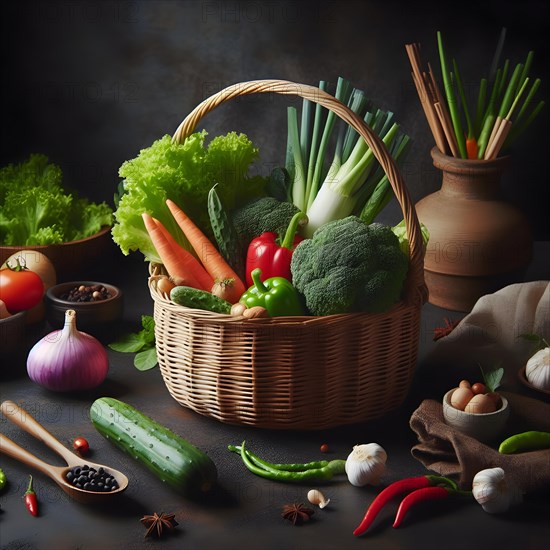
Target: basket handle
{"points": [[316, 95]]}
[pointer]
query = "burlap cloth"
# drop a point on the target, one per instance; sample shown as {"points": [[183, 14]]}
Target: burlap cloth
{"points": [[490, 332]]}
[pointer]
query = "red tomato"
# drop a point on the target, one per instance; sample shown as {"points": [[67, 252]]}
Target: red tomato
{"points": [[20, 289]]}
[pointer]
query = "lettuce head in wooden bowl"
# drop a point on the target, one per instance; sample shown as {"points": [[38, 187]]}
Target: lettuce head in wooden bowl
{"points": [[38, 213]]}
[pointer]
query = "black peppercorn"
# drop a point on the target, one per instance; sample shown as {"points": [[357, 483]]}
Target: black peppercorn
{"points": [[83, 293]]}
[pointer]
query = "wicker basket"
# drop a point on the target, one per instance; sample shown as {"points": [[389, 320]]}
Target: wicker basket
{"points": [[294, 372]]}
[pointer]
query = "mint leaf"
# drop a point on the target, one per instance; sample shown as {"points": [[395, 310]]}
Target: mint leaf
{"points": [[146, 359], [492, 378], [148, 332], [539, 341], [129, 343], [141, 343]]}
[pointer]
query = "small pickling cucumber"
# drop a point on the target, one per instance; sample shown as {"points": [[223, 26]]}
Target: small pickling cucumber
{"points": [[170, 457], [199, 299], [225, 233]]}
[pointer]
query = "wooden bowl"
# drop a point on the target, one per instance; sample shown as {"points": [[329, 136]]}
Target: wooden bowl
{"points": [[12, 333], [484, 427], [98, 318], [70, 259]]}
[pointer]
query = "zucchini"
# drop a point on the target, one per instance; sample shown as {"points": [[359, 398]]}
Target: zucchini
{"points": [[170, 457], [199, 299]]}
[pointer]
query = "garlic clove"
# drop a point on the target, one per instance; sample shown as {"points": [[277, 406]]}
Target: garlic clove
{"points": [[366, 464], [316, 497], [537, 369]]}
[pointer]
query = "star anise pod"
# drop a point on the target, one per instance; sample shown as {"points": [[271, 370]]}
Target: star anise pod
{"points": [[156, 523], [297, 513]]}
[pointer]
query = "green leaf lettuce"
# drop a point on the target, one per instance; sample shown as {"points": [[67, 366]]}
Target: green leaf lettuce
{"points": [[35, 209], [185, 174]]}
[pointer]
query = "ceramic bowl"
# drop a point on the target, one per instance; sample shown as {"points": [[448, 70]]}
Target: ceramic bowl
{"points": [[12, 333], [523, 379], [69, 259], [484, 427], [97, 318]]}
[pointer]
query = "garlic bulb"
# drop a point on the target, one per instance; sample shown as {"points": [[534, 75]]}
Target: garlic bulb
{"points": [[366, 464], [537, 370], [494, 492]]}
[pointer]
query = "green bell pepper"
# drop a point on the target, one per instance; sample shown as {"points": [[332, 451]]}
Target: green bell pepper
{"points": [[276, 294]]}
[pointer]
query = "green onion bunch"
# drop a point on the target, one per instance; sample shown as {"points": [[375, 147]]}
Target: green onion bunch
{"points": [[353, 182]]}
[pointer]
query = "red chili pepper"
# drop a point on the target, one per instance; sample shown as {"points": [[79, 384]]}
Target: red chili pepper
{"points": [[398, 488], [420, 495], [387, 494], [30, 499], [273, 259]]}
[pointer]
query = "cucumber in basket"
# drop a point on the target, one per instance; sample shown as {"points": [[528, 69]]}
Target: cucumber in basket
{"points": [[170, 457], [199, 299]]}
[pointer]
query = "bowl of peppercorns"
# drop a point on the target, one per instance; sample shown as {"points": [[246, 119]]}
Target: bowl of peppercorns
{"points": [[98, 306]]}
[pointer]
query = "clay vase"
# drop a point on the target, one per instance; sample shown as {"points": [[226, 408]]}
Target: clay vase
{"points": [[478, 243]]}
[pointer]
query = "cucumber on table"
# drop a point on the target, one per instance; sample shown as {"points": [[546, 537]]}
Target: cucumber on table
{"points": [[170, 457]]}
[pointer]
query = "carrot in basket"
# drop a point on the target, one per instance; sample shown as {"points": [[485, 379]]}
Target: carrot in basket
{"points": [[179, 262], [212, 260]]}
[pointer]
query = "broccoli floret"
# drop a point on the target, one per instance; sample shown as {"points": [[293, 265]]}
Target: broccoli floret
{"points": [[261, 215], [349, 266]]}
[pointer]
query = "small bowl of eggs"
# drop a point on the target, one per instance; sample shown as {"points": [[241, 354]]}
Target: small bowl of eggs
{"points": [[482, 416]]}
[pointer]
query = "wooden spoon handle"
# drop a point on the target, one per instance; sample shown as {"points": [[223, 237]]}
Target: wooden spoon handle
{"points": [[8, 447], [25, 421]]}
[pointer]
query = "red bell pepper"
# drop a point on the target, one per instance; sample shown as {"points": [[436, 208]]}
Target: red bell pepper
{"points": [[272, 258]]}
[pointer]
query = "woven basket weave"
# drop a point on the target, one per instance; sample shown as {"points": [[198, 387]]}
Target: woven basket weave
{"points": [[305, 373]]}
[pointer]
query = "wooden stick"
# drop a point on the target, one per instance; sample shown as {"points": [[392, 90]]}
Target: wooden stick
{"points": [[425, 98], [502, 133], [497, 140], [494, 132], [448, 124], [433, 120], [447, 129]]}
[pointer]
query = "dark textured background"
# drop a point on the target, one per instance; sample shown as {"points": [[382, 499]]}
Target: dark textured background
{"points": [[89, 83]]}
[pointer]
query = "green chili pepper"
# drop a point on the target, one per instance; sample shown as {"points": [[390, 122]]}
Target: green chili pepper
{"points": [[3, 479], [525, 441], [276, 294], [293, 467], [324, 473]]}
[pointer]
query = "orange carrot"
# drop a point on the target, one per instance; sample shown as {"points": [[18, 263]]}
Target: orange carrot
{"points": [[471, 147], [179, 263], [199, 273], [212, 260]]}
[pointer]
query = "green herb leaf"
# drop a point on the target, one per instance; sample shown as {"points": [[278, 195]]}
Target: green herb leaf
{"points": [[539, 341], [141, 343], [146, 359], [148, 332], [492, 378], [128, 343]]}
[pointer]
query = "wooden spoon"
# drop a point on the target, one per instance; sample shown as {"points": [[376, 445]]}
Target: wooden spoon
{"points": [[58, 473]]}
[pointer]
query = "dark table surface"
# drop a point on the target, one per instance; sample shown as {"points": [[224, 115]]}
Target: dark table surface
{"points": [[244, 510]]}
